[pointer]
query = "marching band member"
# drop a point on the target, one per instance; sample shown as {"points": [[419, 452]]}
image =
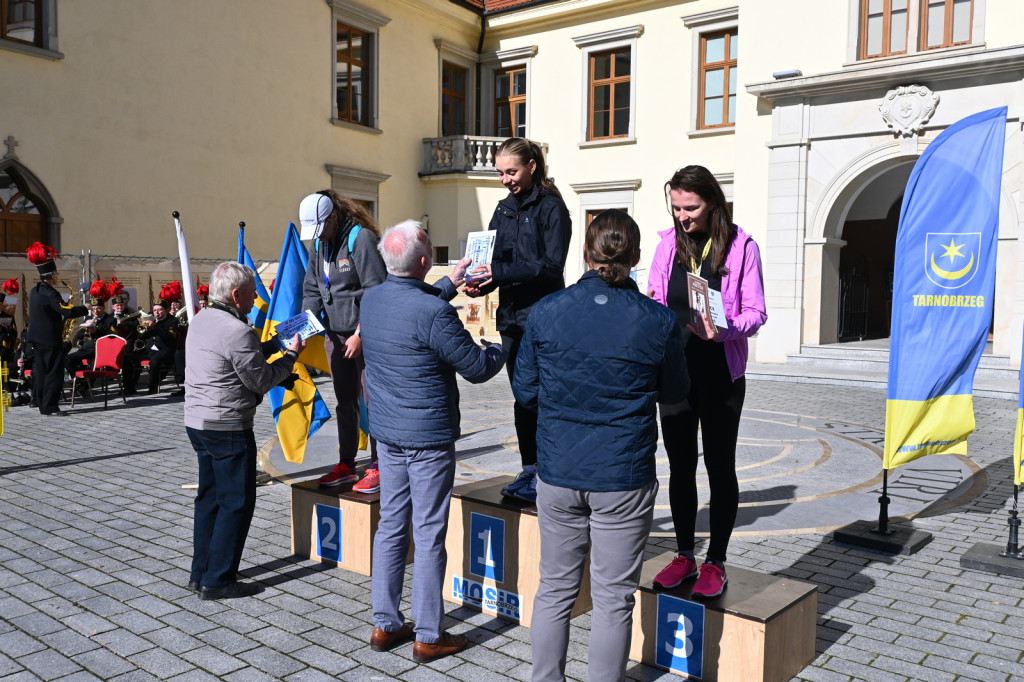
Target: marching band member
{"points": [[126, 323], [100, 324], [160, 338], [47, 312], [8, 327]]}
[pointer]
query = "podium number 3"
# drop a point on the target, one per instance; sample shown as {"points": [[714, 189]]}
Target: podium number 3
{"points": [[328, 535], [683, 630]]}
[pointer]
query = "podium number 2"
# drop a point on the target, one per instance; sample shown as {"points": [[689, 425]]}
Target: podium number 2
{"points": [[328, 532]]}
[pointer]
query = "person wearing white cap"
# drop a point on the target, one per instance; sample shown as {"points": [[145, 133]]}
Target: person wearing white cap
{"points": [[343, 264]]}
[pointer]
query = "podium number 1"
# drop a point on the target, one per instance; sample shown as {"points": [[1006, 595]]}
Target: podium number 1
{"points": [[485, 536], [328, 532]]}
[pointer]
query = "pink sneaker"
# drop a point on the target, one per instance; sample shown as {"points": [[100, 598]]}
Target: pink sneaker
{"points": [[676, 572], [341, 473], [711, 582], [370, 482]]}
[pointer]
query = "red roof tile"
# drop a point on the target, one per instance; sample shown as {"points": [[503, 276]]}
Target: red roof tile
{"points": [[493, 5]]}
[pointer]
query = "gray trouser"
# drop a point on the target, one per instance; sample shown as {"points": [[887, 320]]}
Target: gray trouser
{"points": [[614, 526], [416, 486]]}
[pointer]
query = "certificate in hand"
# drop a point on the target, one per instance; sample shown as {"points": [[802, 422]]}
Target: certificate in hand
{"points": [[479, 247], [304, 324], [704, 302]]}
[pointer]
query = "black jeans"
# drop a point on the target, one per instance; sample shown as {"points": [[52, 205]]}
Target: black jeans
{"points": [[347, 378], [48, 377], [715, 403], [224, 503], [526, 420]]}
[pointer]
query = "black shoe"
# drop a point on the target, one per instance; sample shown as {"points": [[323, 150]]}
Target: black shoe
{"points": [[230, 591], [177, 394], [194, 585], [58, 413]]}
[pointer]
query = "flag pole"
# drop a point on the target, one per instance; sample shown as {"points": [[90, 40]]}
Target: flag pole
{"points": [[241, 241], [1012, 548], [883, 505], [186, 269]]}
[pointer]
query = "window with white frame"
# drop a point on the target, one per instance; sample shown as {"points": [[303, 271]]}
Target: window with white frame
{"points": [[714, 56], [506, 92], [609, 78], [357, 52], [359, 185], [456, 87], [889, 28], [596, 197], [30, 27]]}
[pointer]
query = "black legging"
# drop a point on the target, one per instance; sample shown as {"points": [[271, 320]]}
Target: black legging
{"points": [[526, 420], [716, 402]]}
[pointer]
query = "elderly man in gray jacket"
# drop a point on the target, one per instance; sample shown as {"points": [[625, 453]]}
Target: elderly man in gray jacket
{"points": [[414, 344], [226, 377]]}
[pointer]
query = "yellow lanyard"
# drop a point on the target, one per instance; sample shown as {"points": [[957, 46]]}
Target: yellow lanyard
{"points": [[694, 265]]}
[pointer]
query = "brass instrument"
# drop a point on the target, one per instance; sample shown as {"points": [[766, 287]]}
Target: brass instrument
{"points": [[70, 325], [147, 320], [181, 314]]}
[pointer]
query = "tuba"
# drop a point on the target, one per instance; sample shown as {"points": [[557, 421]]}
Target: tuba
{"points": [[70, 323]]}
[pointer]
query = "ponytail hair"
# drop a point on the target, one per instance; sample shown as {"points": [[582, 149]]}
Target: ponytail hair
{"points": [[613, 246], [525, 151]]}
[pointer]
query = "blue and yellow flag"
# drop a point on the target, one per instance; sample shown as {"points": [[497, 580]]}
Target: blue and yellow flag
{"points": [[258, 314], [943, 287], [300, 412]]}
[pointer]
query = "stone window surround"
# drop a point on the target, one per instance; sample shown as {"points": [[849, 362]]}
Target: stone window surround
{"points": [[467, 59], [700, 25], [497, 61], [359, 184], [365, 19], [913, 32], [603, 195], [49, 48], [600, 42]]}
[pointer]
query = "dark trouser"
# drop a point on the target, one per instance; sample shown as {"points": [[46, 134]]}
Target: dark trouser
{"points": [[526, 420], [159, 361], [48, 377], [179, 366], [347, 377], [224, 503], [715, 402], [73, 360]]}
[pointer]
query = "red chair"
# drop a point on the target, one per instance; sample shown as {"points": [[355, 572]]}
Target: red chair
{"points": [[110, 351]]}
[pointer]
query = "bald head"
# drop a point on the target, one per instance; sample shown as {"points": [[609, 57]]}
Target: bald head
{"points": [[406, 250]]}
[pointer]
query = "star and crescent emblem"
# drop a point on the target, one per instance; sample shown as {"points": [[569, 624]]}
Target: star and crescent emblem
{"points": [[952, 261]]}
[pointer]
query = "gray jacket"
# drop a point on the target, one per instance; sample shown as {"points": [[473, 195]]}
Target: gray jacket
{"points": [[227, 372], [336, 300]]}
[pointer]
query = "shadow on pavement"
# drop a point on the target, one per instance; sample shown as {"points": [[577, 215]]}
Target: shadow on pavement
{"points": [[71, 462]]}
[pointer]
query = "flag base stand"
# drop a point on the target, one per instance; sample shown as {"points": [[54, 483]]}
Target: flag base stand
{"points": [[897, 539], [989, 557]]}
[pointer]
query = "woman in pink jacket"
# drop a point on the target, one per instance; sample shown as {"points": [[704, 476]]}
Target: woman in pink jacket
{"points": [[704, 241]]}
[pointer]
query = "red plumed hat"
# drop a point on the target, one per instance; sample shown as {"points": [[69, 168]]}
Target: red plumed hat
{"points": [[117, 291], [42, 256], [11, 286], [203, 291], [169, 292], [99, 292]]}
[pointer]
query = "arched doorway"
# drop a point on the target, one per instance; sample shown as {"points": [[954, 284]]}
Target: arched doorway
{"points": [[22, 221], [866, 261]]}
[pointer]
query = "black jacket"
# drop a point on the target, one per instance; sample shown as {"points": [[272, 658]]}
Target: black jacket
{"points": [[162, 335], [46, 315], [529, 252]]}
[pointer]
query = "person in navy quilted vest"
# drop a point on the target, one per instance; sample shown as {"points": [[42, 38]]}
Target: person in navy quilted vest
{"points": [[595, 362]]}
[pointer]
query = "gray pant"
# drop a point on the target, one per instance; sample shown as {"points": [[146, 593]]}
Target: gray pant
{"points": [[614, 526], [416, 486]]}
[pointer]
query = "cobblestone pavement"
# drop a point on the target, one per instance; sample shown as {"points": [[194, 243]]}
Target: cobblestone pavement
{"points": [[95, 543]]}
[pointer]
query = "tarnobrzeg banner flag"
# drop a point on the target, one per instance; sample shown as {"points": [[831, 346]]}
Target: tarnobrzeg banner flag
{"points": [[942, 291], [301, 411]]}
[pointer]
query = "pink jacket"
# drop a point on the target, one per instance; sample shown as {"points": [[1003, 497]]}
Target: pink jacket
{"points": [[742, 292]]}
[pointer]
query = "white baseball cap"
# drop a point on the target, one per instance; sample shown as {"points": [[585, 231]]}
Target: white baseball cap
{"points": [[313, 211]]}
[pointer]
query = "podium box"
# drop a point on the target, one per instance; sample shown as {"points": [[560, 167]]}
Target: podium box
{"points": [[761, 628], [493, 548], [335, 525]]}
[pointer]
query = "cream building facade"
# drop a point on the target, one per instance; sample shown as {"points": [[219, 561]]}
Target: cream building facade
{"points": [[230, 112]]}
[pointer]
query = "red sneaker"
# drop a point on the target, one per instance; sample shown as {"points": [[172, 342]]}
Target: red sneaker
{"points": [[675, 573], [370, 482], [711, 581], [341, 473]]}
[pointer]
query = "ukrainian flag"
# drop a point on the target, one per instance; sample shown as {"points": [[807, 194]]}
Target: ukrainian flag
{"points": [[258, 314], [300, 412], [943, 286]]}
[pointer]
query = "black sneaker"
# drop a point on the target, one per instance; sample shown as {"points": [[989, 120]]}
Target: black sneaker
{"points": [[232, 590]]}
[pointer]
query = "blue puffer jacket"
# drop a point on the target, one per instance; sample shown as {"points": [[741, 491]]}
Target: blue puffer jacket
{"points": [[595, 361], [414, 343]]}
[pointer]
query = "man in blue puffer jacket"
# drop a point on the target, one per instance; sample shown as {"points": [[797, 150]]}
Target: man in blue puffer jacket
{"points": [[414, 343]]}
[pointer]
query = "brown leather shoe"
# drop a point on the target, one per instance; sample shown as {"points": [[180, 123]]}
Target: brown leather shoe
{"points": [[382, 640], [448, 644]]}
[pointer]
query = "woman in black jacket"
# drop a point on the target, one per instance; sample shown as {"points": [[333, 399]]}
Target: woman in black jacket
{"points": [[530, 249]]}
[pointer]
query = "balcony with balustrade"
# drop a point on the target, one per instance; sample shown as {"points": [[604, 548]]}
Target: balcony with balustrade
{"points": [[461, 154]]}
